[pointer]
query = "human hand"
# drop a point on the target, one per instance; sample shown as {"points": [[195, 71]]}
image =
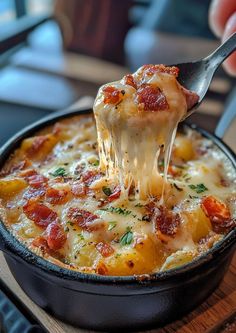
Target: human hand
{"points": [[222, 20]]}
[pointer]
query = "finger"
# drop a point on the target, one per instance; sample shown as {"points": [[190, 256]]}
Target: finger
{"points": [[219, 13], [230, 63]]}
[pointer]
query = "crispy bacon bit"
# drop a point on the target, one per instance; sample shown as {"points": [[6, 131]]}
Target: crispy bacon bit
{"points": [[218, 213], [37, 144], [37, 181], [55, 236], [115, 194], [151, 98], [39, 213], [79, 189], [83, 219], [56, 197], [101, 269], [167, 222], [34, 193], [40, 242], [28, 173], [105, 249], [88, 177], [173, 171], [129, 79], [152, 69], [112, 95]]}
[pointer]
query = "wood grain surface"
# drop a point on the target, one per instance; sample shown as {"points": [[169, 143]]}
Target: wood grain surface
{"points": [[216, 314]]}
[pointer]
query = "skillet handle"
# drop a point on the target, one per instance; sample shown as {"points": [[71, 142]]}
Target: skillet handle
{"points": [[227, 124]]}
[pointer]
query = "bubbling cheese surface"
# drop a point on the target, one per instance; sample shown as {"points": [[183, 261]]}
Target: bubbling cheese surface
{"points": [[136, 119]]}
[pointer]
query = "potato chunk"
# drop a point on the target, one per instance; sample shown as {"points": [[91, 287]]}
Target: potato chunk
{"points": [[183, 148], [177, 259], [39, 146], [10, 187]]}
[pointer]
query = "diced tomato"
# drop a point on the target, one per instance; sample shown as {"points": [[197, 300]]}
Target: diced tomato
{"points": [[105, 249], [55, 236], [56, 197], [112, 95], [37, 181], [151, 98], [39, 213], [115, 194], [79, 189], [152, 69], [219, 214], [88, 177], [129, 80], [167, 222], [83, 219]]}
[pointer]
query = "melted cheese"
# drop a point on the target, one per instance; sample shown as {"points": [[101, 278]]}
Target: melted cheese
{"points": [[130, 139]]}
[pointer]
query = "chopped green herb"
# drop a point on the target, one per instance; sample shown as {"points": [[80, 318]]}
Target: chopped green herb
{"points": [[106, 190], [178, 188], [180, 166], [161, 163], [117, 210], [96, 163], [117, 255], [127, 238], [59, 172], [138, 205], [111, 225], [193, 197], [199, 188], [81, 236], [67, 229]]}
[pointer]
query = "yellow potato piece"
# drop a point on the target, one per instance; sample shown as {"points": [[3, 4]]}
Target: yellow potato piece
{"points": [[197, 223], [177, 259], [10, 187], [38, 147], [183, 148], [143, 258]]}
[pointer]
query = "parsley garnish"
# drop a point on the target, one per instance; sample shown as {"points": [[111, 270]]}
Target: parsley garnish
{"points": [[127, 238], [96, 163], [59, 172], [106, 190], [117, 210], [81, 236], [111, 225], [138, 205], [199, 188]]}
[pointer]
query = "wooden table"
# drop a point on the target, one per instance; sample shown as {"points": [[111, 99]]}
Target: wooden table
{"points": [[218, 312]]}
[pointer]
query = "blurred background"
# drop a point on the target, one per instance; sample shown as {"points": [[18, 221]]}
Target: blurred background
{"points": [[53, 52]]}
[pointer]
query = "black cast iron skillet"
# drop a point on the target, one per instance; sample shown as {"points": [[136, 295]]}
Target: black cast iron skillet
{"points": [[114, 303]]}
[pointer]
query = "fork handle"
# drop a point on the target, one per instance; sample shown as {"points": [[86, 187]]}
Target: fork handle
{"points": [[222, 52]]}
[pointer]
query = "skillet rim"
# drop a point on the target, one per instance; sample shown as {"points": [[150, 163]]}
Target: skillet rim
{"points": [[12, 246]]}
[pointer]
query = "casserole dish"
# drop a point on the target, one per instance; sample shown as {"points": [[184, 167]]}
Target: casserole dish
{"points": [[114, 303]]}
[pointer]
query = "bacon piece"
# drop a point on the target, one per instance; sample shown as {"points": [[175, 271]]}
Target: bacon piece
{"points": [[105, 249], [79, 189], [101, 269], [167, 222], [151, 98], [115, 194], [191, 97], [40, 242], [37, 181], [152, 69], [37, 144], [28, 173], [218, 213], [129, 80], [55, 236], [88, 177], [112, 95], [34, 193], [56, 197], [83, 219], [39, 213]]}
